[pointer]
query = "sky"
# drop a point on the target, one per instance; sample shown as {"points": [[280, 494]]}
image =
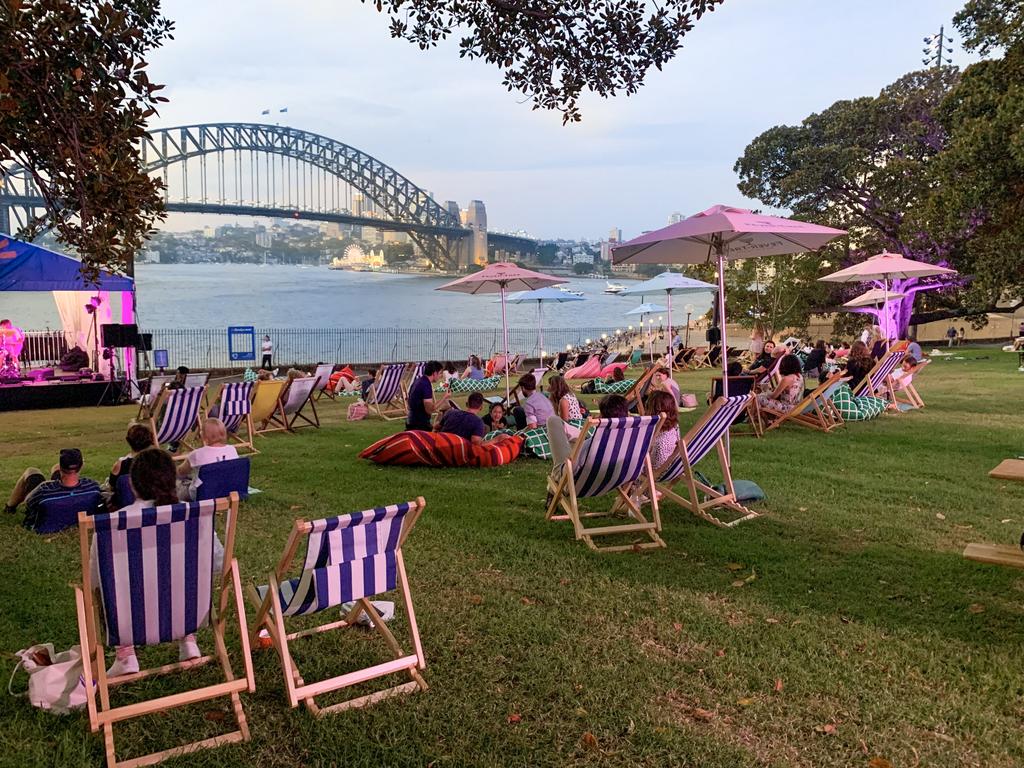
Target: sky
{"points": [[449, 125]]}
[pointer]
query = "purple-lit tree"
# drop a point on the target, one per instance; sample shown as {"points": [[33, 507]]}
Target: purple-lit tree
{"points": [[862, 165]]}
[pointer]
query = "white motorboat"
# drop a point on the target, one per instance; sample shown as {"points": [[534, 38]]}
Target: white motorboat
{"points": [[611, 287], [569, 291]]}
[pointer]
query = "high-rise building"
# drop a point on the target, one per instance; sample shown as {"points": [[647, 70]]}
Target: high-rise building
{"points": [[675, 217], [615, 235], [357, 204]]}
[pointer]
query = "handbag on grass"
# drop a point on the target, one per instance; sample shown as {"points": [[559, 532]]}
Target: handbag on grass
{"points": [[55, 681]]}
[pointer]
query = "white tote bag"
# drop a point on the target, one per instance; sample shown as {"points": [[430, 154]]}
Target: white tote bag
{"points": [[57, 687]]}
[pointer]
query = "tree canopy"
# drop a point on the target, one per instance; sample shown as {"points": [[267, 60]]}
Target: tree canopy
{"points": [[554, 51], [74, 100]]}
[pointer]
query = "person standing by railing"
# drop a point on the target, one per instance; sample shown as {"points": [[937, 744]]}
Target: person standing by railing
{"points": [[268, 352]]}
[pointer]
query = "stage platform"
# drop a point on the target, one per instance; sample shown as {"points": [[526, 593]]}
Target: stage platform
{"points": [[58, 394]]}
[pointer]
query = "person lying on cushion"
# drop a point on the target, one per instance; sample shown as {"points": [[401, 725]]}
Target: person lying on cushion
{"points": [[466, 422], [495, 418], [617, 375]]}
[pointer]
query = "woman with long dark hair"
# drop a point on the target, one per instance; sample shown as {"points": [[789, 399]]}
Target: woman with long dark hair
{"points": [[858, 364], [563, 399]]}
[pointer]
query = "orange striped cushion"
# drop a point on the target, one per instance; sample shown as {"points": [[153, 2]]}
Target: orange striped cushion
{"points": [[439, 449]]}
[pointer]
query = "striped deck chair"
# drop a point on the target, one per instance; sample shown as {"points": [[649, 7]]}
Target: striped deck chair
{"points": [[322, 374], [878, 382], [199, 380], [637, 394], [149, 397], [176, 414], [348, 560], [235, 411], [706, 434], [297, 396], [905, 394], [267, 404], [614, 458], [415, 371], [741, 385], [386, 394], [157, 584], [816, 410]]}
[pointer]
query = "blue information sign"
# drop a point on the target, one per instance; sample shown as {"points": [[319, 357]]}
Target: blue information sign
{"points": [[242, 342]]}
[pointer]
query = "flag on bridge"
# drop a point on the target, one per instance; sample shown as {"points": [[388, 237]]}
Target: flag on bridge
{"points": [[265, 112], [283, 110]]}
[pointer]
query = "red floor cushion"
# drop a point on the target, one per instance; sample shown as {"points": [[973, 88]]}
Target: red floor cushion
{"points": [[439, 449]]}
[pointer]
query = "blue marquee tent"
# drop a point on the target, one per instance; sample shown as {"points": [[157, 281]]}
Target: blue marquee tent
{"points": [[28, 267]]}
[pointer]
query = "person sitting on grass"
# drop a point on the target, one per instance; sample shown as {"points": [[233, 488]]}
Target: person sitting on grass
{"points": [[153, 483], [616, 376], [662, 380], [449, 372], [139, 438], [495, 418], [421, 398], [563, 399], [536, 409], [610, 407], [215, 448], [474, 370], [465, 422], [34, 489], [665, 442], [366, 383], [790, 388]]}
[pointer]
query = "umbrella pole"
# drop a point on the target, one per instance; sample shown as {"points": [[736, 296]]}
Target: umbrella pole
{"points": [[669, 334], [504, 336], [885, 312], [722, 339], [650, 342], [540, 330]]}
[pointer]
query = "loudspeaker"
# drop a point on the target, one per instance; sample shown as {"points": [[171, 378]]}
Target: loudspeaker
{"points": [[118, 336], [145, 342]]}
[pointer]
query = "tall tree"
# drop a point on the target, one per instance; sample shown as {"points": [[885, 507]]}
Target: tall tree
{"points": [[553, 51], [861, 165], [978, 180], [74, 100]]}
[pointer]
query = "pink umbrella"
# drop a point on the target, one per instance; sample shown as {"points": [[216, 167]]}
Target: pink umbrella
{"points": [[883, 267], [718, 234], [502, 277]]}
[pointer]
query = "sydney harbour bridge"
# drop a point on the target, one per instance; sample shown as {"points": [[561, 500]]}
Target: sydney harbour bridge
{"points": [[253, 169]]}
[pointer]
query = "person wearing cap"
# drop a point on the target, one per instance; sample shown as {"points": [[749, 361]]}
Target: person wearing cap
{"points": [[33, 488]]}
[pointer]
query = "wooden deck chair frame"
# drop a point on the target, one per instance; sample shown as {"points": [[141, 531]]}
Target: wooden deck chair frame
{"points": [[714, 499], [635, 394], [883, 388], [323, 375], [249, 441], [395, 408], [909, 392], [290, 419], [158, 413], [102, 716], [701, 358], [272, 419], [754, 418], [147, 402], [269, 616], [562, 488], [815, 411]]}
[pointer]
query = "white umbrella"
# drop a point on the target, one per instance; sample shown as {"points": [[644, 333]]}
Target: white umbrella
{"points": [[669, 283], [540, 296], [872, 298], [643, 310], [884, 267], [501, 277]]}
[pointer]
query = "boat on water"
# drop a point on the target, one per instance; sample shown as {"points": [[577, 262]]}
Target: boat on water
{"points": [[613, 288], [569, 291]]}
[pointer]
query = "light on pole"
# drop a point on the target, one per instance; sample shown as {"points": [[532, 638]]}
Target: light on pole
{"points": [[934, 48], [689, 311]]}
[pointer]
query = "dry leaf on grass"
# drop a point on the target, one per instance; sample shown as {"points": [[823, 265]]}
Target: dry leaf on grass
{"points": [[293, 507], [803, 509], [589, 740], [879, 762], [778, 685], [827, 728], [720, 652], [527, 600], [214, 715], [746, 701], [514, 718], [940, 516], [976, 608], [705, 715], [734, 566], [1006, 520], [476, 599], [771, 620], [739, 583]]}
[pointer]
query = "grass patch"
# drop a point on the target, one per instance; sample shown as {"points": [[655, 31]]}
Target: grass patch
{"points": [[865, 633]]}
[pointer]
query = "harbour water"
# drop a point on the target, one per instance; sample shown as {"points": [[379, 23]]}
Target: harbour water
{"points": [[214, 296]]}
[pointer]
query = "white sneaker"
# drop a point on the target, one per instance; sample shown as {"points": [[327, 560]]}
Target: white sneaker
{"points": [[188, 648], [128, 665]]}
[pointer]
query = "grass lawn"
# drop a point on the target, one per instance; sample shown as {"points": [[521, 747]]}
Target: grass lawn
{"points": [[864, 636]]}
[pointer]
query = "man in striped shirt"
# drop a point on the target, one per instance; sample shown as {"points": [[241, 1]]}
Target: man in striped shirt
{"points": [[67, 482]]}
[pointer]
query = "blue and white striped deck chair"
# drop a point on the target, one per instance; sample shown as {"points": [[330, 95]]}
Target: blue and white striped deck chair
{"points": [[386, 395], [177, 414], [877, 383], [415, 371], [348, 560], [156, 582], [614, 458], [706, 434], [236, 412]]}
